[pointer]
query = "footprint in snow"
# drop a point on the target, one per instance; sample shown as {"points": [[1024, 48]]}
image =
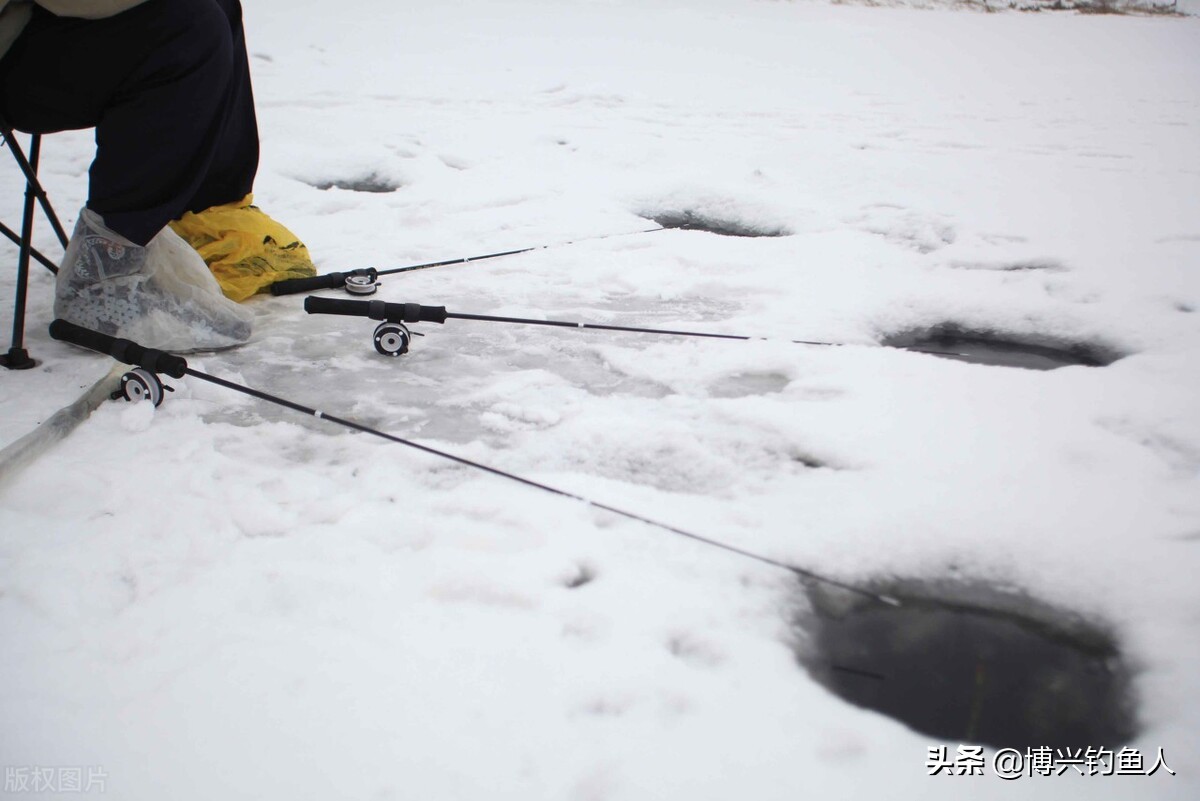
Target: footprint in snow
{"points": [[920, 231]]}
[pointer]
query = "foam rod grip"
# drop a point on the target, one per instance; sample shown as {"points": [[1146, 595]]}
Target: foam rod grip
{"points": [[294, 286], [349, 308], [123, 350], [377, 310]]}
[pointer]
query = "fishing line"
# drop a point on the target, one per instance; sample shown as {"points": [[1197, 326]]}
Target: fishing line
{"points": [[156, 361], [395, 314], [365, 281]]}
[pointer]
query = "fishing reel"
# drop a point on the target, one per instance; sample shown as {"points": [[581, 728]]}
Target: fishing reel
{"points": [[393, 339], [357, 282], [362, 282], [140, 384]]}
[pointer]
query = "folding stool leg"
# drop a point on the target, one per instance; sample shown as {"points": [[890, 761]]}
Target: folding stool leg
{"points": [[17, 357]]}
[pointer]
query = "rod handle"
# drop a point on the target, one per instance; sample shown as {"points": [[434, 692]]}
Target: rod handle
{"points": [[123, 350], [377, 310], [294, 286]]}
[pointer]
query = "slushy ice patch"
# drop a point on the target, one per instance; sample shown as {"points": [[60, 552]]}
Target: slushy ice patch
{"points": [[969, 664], [748, 384]]}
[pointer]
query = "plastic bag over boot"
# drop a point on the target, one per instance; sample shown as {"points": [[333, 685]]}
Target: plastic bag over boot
{"points": [[161, 296]]}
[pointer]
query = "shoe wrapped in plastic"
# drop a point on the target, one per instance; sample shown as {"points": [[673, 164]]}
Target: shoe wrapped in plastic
{"points": [[161, 296]]}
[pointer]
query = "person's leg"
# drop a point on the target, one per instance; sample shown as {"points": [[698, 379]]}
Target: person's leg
{"points": [[154, 81], [230, 176], [166, 86], [244, 248]]}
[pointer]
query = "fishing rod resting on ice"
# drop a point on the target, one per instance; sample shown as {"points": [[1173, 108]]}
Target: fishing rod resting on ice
{"points": [[143, 383], [366, 280], [392, 337]]}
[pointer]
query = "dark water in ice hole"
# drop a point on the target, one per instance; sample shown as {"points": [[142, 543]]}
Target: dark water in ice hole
{"points": [[368, 183], [971, 665], [997, 351], [692, 221]]}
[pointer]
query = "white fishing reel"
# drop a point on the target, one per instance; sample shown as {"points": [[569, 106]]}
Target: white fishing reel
{"points": [[392, 339], [139, 384], [362, 282]]}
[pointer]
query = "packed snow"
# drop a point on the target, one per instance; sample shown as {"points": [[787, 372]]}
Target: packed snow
{"points": [[220, 598]]}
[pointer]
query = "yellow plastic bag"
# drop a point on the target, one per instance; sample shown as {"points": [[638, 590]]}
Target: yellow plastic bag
{"points": [[246, 250]]}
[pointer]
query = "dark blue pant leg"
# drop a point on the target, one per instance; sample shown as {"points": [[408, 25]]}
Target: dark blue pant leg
{"points": [[166, 85]]}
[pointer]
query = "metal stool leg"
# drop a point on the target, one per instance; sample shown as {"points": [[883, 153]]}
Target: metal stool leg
{"points": [[17, 357]]}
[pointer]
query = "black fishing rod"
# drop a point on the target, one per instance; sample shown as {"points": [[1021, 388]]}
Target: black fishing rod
{"points": [[392, 338], [365, 281], [151, 362]]}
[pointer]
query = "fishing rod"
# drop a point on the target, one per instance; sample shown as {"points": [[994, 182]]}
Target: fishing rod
{"points": [[392, 337], [143, 383], [366, 280]]}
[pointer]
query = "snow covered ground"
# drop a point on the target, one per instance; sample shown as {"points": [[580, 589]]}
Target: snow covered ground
{"points": [[221, 599]]}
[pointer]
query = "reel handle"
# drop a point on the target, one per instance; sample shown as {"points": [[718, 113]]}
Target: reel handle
{"points": [[377, 310], [123, 350]]}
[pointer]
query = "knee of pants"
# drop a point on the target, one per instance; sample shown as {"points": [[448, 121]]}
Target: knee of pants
{"points": [[181, 49], [191, 37], [232, 9]]}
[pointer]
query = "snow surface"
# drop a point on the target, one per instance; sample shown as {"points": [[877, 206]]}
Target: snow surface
{"points": [[221, 599]]}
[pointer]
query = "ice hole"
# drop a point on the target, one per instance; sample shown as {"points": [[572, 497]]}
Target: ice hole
{"points": [[970, 664], [995, 349], [365, 183], [694, 221]]}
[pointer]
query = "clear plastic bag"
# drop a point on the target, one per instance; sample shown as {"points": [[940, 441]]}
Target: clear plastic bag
{"points": [[161, 296]]}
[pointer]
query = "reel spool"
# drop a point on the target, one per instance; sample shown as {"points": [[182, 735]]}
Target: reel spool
{"points": [[140, 384], [392, 339], [362, 282]]}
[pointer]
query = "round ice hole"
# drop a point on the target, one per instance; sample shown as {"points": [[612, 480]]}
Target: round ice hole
{"points": [[366, 183], [981, 347], [970, 664], [693, 221]]}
